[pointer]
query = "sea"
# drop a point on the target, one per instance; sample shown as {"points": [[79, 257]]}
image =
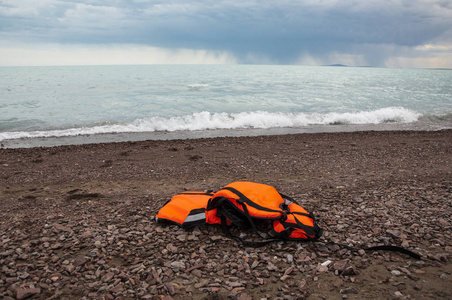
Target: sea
{"points": [[51, 106]]}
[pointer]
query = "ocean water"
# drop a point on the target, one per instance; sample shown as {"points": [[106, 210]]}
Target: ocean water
{"points": [[42, 104]]}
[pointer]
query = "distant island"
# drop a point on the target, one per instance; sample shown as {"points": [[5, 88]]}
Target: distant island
{"points": [[335, 65], [341, 65]]}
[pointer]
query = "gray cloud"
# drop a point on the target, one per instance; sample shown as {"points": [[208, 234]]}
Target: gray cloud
{"points": [[281, 31]]}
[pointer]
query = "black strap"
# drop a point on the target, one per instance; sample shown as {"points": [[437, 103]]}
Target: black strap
{"points": [[249, 202], [380, 247], [231, 214], [225, 227], [222, 203], [303, 214], [394, 249], [247, 214], [314, 231]]}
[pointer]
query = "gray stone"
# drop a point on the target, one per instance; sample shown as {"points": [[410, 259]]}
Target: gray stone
{"points": [[341, 265], [178, 265], [26, 293]]}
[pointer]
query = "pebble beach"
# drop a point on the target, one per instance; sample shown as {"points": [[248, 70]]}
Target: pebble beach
{"points": [[77, 221]]}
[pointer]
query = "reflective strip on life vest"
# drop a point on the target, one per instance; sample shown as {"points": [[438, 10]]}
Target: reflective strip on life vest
{"points": [[195, 217]]}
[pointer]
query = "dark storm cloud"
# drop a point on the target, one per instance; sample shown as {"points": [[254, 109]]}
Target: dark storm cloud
{"points": [[281, 31]]}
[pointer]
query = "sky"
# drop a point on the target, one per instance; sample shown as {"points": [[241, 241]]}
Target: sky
{"points": [[379, 33]]}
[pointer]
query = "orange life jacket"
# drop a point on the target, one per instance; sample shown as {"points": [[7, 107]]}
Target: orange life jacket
{"points": [[240, 204]]}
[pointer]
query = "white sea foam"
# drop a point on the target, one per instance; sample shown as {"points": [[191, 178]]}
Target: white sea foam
{"points": [[211, 121], [197, 86]]}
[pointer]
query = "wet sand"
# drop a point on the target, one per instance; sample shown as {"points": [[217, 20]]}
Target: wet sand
{"points": [[77, 221]]}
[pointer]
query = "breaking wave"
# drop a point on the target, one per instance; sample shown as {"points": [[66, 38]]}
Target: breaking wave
{"points": [[243, 120]]}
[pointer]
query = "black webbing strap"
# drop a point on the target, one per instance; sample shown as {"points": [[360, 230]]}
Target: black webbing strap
{"points": [[394, 249], [253, 226], [222, 202], [307, 229], [246, 200], [381, 247], [225, 227], [303, 214]]}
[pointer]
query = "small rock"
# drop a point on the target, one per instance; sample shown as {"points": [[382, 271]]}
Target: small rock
{"points": [[235, 284], [271, 266], [69, 268], [80, 260], [338, 283], [108, 297], [349, 290], [170, 288], [178, 264], [181, 237], [322, 269], [56, 246], [27, 293], [197, 273], [289, 258], [107, 277], [396, 273], [394, 232], [202, 283], [405, 243], [341, 265], [60, 227], [349, 271], [398, 294], [289, 270], [254, 264], [171, 248], [326, 263], [302, 284], [24, 275], [284, 277], [244, 296]]}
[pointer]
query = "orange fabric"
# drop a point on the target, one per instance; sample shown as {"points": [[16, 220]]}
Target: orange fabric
{"points": [[296, 233], [180, 206], [261, 194], [303, 219], [211, 217]]}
